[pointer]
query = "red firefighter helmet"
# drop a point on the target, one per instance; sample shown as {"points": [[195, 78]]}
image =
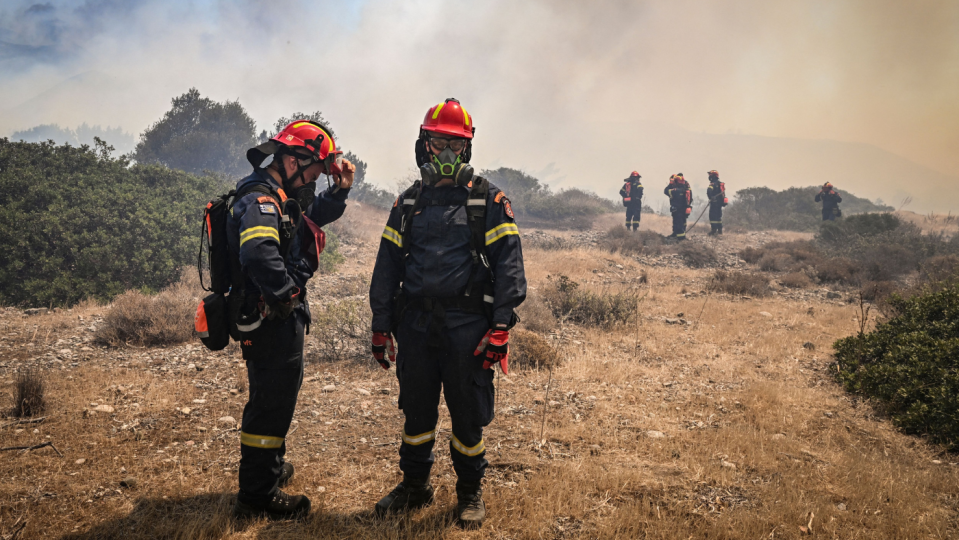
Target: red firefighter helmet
{"points": [[306, 137], [634, 173], [713, 173], [449, 118]]}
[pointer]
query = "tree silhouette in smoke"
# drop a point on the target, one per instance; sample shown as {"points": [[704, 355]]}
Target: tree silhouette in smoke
{"points": [[198, 134]]}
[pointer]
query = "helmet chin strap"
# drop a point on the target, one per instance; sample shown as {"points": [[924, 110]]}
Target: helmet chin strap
{"points": [[289, 181]]}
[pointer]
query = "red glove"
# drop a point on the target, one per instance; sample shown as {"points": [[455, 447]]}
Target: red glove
{"points": [[383, 343], [496, 345]]}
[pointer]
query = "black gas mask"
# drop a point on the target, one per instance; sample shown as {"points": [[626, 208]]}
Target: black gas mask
{"points": [[446, 165]]}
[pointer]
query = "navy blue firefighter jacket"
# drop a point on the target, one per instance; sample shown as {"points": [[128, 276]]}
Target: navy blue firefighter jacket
{"points": [[253, 232], [440, 263]]}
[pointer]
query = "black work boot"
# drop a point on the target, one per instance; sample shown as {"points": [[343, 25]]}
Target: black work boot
{"points": [[410, 494], [470, 508], [281, 506], [286, 473]]}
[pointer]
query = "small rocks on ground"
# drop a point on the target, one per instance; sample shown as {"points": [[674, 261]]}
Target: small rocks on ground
{"points": [[809, 346], [727, 465], [228, 421], [655, 434], [329, 388], [128, 482], [104, 409]]}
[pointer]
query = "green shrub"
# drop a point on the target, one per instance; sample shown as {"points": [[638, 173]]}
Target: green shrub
{"points": [[331, 258], [910, 364], [77, 223]]}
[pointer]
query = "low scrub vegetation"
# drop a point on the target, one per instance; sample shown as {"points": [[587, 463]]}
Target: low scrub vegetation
{"points": [[619, 240], [697, 255], [739, 283], [793, 209], [140, 319], [534, 202], [860, 249], [908, 364], [571, 302], [28, 394], [529, 350], [345, 333]]}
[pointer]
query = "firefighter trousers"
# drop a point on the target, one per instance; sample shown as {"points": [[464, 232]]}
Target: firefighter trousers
{"points": [[632, 216], [424, 368], [274, 362], [679, 224], [716, 218]]}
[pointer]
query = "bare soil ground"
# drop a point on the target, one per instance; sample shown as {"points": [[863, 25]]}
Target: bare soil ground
{"points": [[713, 416]]}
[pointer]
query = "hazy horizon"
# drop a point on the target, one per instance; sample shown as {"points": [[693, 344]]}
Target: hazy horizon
{"points": [[577, 94]]}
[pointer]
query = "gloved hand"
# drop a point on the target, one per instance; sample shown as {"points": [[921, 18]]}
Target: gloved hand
{"points": [[383, 343], [281, 309], [496, 345]]}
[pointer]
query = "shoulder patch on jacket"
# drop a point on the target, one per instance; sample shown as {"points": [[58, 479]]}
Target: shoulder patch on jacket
{"points": [[267, 209], [507, 207], [499, 197]]}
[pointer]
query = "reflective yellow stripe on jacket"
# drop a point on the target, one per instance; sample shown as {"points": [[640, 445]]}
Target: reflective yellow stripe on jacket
{"points": [[393, 235], [260, 441], [259, 232], [500, 231]]}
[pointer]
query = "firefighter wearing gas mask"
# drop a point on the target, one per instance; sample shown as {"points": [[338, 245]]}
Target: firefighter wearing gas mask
{"points": [[680, 204], [716, 194], [448, 276], [274, 238], [632, 194], [830, 199]]}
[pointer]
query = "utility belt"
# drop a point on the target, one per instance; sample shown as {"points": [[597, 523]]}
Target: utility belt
{"points": [[478, 301], [246, 311]]}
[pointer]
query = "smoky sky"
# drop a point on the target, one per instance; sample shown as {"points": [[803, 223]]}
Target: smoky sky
{"points": [[580, 93]]}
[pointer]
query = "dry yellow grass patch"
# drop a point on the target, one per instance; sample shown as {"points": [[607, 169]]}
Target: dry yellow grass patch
{"points": [[719, 424]]}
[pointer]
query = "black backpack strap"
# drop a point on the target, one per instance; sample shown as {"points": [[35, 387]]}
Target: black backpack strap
{"points": [[410, 201], [476, 219]]}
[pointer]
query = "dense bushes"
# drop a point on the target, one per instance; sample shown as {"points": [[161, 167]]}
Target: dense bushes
{"points": [[76, 223], [739, 283], [793, 209], [909, 363]]}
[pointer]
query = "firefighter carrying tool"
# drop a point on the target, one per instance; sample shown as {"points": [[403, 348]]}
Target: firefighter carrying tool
{"points": [[680, 204], [632, 194], [448, 275]]}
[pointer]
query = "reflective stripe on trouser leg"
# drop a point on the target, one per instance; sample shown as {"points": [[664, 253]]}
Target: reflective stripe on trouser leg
{"points": [[275, 370], [470, 451], [419, 377]]}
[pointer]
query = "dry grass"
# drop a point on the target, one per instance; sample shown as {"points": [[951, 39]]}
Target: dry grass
{"points": [[739, 283], [28, 397], [166, 318], [756, 436], [529, 350]]}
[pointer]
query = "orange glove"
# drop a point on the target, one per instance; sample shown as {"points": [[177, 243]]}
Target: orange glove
{"points": [[496, 346], [383, 343]]}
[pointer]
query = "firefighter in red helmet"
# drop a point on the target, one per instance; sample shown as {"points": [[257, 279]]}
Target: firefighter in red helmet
{"points": [[632, 194], [448, 275], [680, 203], [716, 195], [274, 240]]}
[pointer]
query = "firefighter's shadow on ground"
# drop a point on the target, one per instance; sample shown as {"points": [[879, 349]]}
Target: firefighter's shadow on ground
{"points": [[210, 516], [197, 516]]}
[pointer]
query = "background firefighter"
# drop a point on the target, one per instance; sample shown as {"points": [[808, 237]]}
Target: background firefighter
{"points": [[632, 194], [830, 199], [680, 203], [716, 194], [448, 275], [273, 258]]}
